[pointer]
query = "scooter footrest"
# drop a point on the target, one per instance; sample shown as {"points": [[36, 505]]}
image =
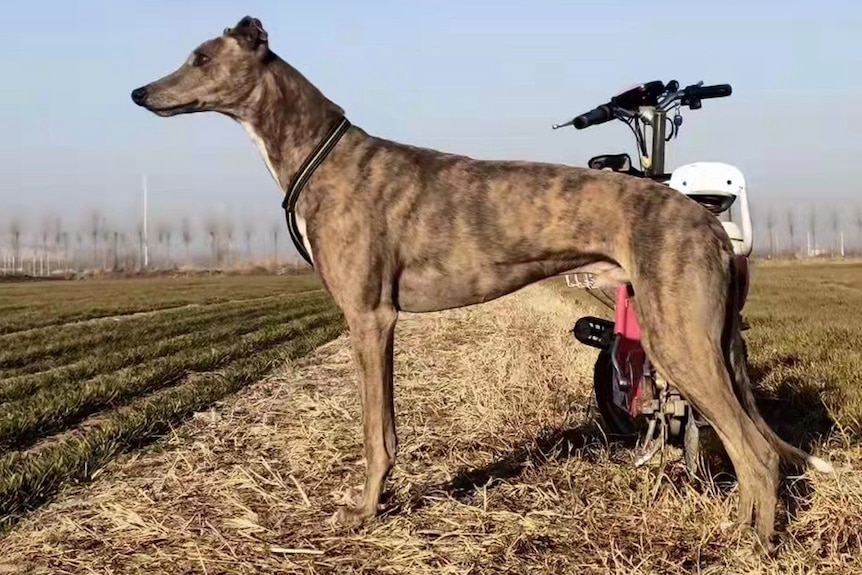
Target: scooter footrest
{"points": [[594, 332]]}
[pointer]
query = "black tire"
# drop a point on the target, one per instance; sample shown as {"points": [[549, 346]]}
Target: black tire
{"points": [[617, 421]]}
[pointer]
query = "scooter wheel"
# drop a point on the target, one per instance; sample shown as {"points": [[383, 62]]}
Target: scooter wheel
{"points": [[617, 421]]}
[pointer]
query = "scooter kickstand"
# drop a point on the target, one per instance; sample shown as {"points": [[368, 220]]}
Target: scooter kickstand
{"points": [[651, 445]]}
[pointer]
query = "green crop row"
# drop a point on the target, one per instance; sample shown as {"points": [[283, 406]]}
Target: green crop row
{"points": [[29, 478], [64, 346], [55, 303], [131, 352], [56, 407]]}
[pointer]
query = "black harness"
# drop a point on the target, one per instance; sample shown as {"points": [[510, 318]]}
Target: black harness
{"points": [[306, 170]]}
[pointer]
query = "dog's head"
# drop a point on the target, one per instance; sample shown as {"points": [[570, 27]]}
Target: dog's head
{"points": [[219, 75]]}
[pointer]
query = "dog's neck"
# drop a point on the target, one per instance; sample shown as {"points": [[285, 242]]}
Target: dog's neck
{"points": [[287, 117]]}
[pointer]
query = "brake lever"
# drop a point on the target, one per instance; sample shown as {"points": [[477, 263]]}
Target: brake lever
{"points": [[665, 103]]}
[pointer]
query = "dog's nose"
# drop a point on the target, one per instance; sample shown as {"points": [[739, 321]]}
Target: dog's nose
{"points": [[139, 95]]}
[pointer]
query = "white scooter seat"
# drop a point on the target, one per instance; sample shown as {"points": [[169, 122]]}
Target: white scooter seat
{"points": [[717, 186]]}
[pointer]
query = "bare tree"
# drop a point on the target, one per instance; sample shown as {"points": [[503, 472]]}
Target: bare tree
{"points": [[227, 227], [276, 229], [58, 242], [186, 231], [212, 229], [106, 239], [812, 226], [836, 229], [139, 230], [770, 227], [164, 232], [95, 228], [124, 249], [791, 228], [44, 234], [169, 233], [248, 230], [859, 227], [116, 250], [66, 241], [15, 236], [79, 241]]}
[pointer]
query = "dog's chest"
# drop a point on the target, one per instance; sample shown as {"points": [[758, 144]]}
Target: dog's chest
{"points": [[264, 153]]}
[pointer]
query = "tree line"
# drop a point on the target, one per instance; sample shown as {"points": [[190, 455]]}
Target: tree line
{"points": [[815, 230], [97, 242]]}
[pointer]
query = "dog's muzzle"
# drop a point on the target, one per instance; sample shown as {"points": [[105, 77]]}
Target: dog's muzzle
{"points": [[139, 96]]}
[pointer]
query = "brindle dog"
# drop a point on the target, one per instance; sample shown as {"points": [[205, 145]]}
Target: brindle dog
{"points": [[392, 227]]}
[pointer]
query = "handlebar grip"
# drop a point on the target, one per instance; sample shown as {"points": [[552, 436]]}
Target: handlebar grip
{"points": [[706, 92], [598, 115]]}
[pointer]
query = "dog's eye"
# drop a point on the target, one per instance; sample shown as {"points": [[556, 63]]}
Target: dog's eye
{"points": [[200, 59]]}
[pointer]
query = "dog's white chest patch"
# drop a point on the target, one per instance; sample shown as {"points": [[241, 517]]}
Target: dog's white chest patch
{"points": [[261, 147], [300, 223]]}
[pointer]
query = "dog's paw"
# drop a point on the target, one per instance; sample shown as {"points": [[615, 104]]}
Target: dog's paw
{"points": [[352, 495], [348, 496], [348, 517]]}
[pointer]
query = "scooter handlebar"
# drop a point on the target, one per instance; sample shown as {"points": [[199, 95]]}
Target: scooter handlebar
{"points": [[689, 96], [706, 92], [598, 115]]}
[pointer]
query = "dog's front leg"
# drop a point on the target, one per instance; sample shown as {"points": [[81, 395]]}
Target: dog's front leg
{"points": [[372, 335]]}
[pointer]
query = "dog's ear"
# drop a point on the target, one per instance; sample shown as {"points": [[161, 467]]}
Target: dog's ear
{"points": [[249, 33]]}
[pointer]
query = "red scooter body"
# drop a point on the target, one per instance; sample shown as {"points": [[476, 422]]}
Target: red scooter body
{"points": [[630, 355]]}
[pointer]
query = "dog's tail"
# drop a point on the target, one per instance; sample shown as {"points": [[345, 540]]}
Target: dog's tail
{"points": [[736, 358]]}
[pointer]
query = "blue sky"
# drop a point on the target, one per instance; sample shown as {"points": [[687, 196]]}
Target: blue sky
{"points": [[476, 77]]}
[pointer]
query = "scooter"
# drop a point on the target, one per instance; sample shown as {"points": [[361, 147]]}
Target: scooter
{"points": [[633, 400]]}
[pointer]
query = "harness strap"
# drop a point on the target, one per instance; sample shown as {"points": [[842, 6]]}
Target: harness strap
{"points": [[306, 170]]}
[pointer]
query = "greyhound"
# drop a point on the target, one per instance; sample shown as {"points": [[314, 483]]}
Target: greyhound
{"points": [[391, 227]]}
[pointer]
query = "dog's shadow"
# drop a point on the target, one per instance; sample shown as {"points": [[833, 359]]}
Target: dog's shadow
{"points": [[553, 445], [793, 408]]}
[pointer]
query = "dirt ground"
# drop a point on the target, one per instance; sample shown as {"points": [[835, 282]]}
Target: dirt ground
{"points": [[500, 470]]}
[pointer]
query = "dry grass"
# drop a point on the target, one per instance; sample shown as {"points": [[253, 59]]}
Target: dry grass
{"points": [[499, 471]]}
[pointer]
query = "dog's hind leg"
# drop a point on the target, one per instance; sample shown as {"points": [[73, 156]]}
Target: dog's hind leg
{"points": [[684, 342], [754, 458], [372, 334]]}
